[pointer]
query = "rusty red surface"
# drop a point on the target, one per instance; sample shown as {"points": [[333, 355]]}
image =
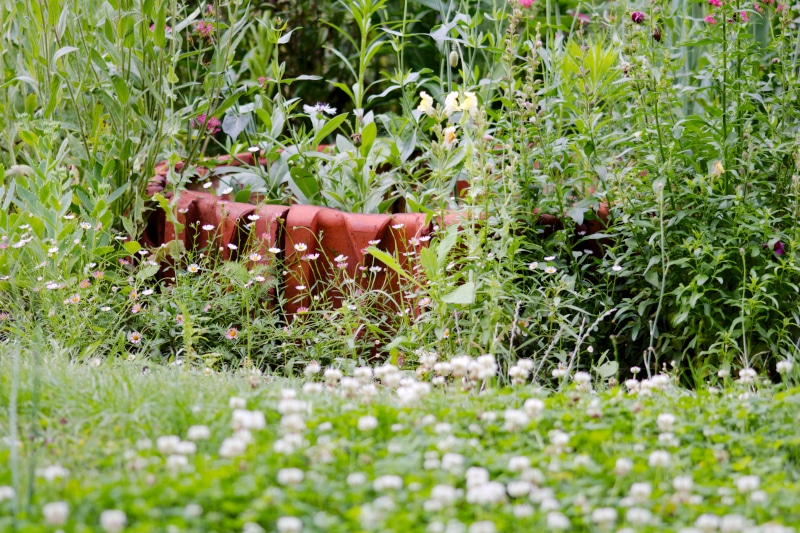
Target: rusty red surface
{"points": [[323, 244], [315, 244]]}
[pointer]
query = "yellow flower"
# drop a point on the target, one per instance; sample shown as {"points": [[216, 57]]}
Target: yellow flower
{"points": [[451, 103], [470, 104], [450, 137], [426, 104]]}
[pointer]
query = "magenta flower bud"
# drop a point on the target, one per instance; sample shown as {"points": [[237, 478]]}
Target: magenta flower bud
{"points": [[637, 17]]}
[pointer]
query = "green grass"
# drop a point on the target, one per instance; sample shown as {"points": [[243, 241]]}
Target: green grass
{"points": [[91, 420]]}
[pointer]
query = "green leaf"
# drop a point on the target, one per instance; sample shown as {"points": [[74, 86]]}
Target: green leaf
{"points": [[463, 295], [147, 272], [390, 262], [368, 136], [329, 127], [430, 265], [123, 93], [64, 50], [132, 247], [608, 369], [306, 183]]}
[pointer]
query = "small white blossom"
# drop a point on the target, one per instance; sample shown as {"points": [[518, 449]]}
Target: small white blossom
{"points": [[113, 521]]}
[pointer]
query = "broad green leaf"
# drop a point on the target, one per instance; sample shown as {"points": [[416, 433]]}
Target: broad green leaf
{"points": [[132, 247], [463, 295], [329, 127]]}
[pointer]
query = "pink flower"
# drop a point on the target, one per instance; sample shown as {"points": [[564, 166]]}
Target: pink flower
{"points": [[231, 334], [211, 124], [526, 3], [710, 19], [637, 17], [204, 29], [715, 3]]}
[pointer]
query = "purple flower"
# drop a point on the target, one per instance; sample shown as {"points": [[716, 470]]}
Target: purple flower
{"points": [[778, 248], [637, 17]]}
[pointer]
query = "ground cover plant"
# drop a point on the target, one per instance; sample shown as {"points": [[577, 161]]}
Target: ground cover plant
{"points": [[607, 272], [383, 449]]}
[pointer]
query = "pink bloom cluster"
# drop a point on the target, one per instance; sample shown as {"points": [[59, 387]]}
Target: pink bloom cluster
{"points": [[211, 124], [204, 29]]}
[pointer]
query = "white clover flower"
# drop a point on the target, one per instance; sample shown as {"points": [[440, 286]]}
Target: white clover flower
{"points": [[198, 433], [640, 492], [250, 420], [523, 510], [491, 492], [55, 513], [290, 476], [312, 368], [192, 511], [252, 527], [289, 524], [638, 516], [237, 403], [557, 521], [7, 493], [363, 374], [176, 462], [784, 367], [518, 489], [515, 420], [367, 423], [356, 478], [538, 495], [534, 407], [232, 447], [293, 423], [604, 516], [747, 483], [332, 376], [747, 375], [313, 388], [660, 458], [707, 522], [732, 523], [460, 365], [623, 466], [519, 464], [452, 462], [387, 482], [559, 439], [683, 483], [290, 406], [113, 521], [582, 378], [665, 421], [445, 494], [484, 526], [52, 472]]}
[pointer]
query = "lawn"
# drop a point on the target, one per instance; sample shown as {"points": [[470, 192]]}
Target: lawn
{"points": [[176, 449]]}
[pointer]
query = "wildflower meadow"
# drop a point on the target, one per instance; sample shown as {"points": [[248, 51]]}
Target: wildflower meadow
{"points": [[445, 266]]}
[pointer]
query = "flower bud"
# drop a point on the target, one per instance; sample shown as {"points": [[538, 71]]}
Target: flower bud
{"points": [[454, 59]]}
